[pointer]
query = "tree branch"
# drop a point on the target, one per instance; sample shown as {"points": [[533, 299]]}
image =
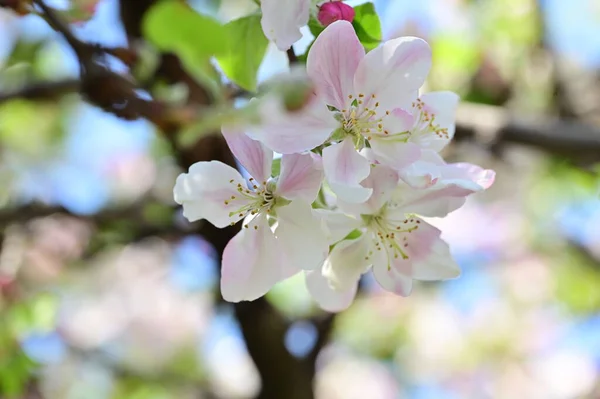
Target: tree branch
{"points": [[497, 126], [83, 51], [43, 91]]}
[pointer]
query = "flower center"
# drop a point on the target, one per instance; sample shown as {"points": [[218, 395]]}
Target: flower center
{"points": [[426, 124], [363, 116], [390, 236], [251, 201]]}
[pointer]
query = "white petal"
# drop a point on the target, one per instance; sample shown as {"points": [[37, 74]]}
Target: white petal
{"points": [[301, 236], [448, 191], [443, 105], [428, 202], [204, 190], [346, 263], [421, 174], [252, 154], [350, 194], [252, 263], [437, 265], [282, 19], [468, 176], [395, 154], [390, 279], [332, 62], [345, 169], [400, 120], [293, 132], [383, 181], [328, 299], [301, 177], [394, 71], [337, 225]]}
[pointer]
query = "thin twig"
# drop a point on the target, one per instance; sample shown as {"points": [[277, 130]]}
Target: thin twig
{"points": [[292, 57], [43, 90], [82, 50]]}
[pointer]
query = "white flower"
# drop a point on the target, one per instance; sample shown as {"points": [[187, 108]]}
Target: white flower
{"points": [[397, 244], [280, 233], [364, 99], [282, 19]]}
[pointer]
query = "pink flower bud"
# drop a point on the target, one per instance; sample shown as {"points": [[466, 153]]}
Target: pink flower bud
{"points": [[335, 11]]}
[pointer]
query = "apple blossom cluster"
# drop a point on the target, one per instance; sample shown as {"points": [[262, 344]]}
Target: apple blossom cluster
{"points": [[360, 170]]}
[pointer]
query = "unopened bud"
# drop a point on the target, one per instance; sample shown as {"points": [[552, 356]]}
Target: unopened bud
{"points": [[335, 11]]}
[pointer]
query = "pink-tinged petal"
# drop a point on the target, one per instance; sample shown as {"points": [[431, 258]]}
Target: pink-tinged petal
{"points": [[301, 177], [328, 299], [428, 202], [300, 236], [436, 264], [394, 279], [282, 19], [426, 172], [399, 120], [421, 174], [394, 71], [465, 175], [345, 169], [454, 184], [421, 240], [346, 263], [337, 225], [332, 62], [349, 194], [206, 190], [443, 105], [293, 132], [383, 181], [428, 259], [395, 154], [252, 263], [252, 154]]}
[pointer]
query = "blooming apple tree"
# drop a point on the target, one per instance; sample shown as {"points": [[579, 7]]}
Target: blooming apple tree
{"points": [[359, 174]]}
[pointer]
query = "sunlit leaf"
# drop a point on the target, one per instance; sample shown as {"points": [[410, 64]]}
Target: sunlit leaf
{"points": [[276, 167], [247, 48], [173, 26], [367, 25]]}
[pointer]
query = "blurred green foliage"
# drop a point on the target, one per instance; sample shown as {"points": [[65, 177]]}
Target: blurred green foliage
{"points": [[246, 50]]}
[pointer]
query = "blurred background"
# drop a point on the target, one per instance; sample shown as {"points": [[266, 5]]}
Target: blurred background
{"points": [[106, 292]]}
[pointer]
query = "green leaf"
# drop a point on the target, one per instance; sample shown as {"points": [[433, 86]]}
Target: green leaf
{"points": [[315, 26], [276, 167], [173, 26], [367, 25], [354, 234], [41, 121], [247, 48]]}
